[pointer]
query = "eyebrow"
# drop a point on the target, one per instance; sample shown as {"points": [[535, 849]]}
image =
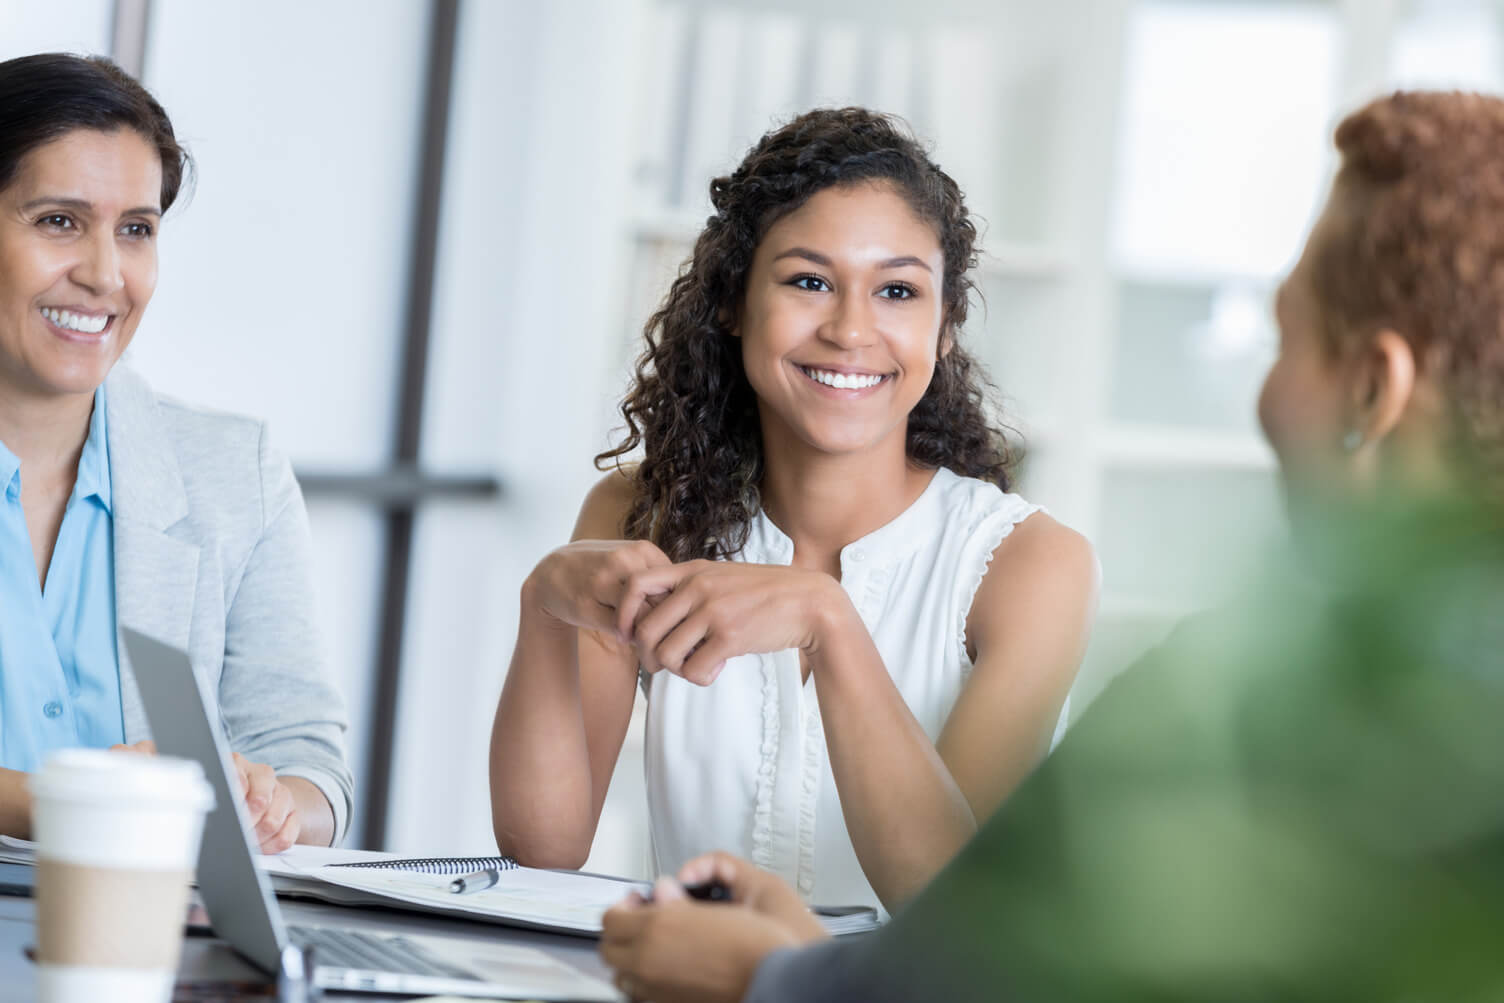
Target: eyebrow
{"points": [[824, 262], [83, 205]]}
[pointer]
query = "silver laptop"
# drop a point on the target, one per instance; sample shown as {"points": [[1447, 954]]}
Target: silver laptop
{"points": [[244, 911]]}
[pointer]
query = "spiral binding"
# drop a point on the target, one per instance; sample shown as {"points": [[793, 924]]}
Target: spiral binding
{"points": [[439, 865]]}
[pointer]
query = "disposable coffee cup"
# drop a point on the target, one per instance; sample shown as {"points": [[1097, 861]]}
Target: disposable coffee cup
{"points": [[117, 839]]}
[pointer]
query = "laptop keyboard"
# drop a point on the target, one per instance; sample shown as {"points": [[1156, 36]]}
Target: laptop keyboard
{"points": [[339, 948]]}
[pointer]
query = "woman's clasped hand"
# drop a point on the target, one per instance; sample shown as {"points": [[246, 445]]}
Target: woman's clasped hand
{"points": [[688, 618]]}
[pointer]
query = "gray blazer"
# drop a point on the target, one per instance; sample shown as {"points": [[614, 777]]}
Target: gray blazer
{"points": [[212, 555]]}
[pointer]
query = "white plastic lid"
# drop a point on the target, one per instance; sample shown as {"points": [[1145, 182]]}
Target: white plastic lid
{"points": [[98, 776]]}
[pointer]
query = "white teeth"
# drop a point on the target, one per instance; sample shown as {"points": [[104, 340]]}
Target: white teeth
{"points": [[842, 381], [83, 323]]}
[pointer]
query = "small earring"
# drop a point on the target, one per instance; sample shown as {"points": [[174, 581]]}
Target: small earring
{"points": [[1352, 440]]}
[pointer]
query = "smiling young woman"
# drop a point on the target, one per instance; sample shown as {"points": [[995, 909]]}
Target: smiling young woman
{"points": [[1296, 797], [853, 642], [120, 508]]}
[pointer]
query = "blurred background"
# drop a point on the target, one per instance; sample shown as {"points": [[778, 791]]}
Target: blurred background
{"points": [[425, 236]]}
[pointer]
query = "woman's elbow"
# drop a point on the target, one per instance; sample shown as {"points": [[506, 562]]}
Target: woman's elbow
{"points": [[545, 852]]}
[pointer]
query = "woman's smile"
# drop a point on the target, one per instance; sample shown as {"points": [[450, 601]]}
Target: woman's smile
{"points": [[79, 326], [840, 382]]}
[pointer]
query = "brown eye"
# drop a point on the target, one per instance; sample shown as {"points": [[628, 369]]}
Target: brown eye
{"points": [[809, 283]]}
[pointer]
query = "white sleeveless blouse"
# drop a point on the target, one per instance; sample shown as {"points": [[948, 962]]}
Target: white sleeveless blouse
{"points": [[741, 765]]}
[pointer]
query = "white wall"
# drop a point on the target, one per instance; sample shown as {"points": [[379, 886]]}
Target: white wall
{"points": [[283, 277], [79, 26], [527, 279]]}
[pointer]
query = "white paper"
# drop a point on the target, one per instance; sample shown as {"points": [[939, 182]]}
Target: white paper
{"points": [[300, 860], [17, 851], [555, 899]]}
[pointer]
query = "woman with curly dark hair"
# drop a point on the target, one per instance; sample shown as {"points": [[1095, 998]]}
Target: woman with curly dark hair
{"points": [[1297, 797], [854, 644]]}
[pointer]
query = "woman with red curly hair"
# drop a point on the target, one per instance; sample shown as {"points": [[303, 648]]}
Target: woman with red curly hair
{"points": [[854, 642], [1300, 798]]}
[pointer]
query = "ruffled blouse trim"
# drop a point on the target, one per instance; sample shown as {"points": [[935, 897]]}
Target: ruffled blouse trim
{"points": [[986, 532], [809, 798], [767, 770]]}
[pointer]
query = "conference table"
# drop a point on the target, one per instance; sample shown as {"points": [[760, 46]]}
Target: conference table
{"points": [[206, 959]]}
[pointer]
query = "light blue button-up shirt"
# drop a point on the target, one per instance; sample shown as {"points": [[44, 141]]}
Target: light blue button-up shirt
{"points": [[59, 670]]}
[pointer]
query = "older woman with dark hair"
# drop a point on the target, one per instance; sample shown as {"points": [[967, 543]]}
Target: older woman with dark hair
{"points": [[1298, 798], [120, 508]]}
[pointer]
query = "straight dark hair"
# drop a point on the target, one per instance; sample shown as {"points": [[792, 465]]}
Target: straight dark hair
{"points": [[45, 96]]}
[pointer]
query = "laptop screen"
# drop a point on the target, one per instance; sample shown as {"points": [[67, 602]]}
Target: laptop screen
{"points": [[185, 723]]}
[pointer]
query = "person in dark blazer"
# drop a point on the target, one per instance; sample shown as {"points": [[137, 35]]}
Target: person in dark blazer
{"points": [[121, 508]]}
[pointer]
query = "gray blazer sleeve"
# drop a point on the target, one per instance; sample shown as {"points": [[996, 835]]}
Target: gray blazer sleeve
{"points": [[277, 703]]}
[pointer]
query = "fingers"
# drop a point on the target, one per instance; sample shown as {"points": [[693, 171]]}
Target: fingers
{"points": [[285, 837], [145, 747], [706, 661], [279, 825], [640, 587], [242, 772], [622, 923], [666, 890], [717, 866], [260, 788], [679, 616], [759, 891], [581, 583]]}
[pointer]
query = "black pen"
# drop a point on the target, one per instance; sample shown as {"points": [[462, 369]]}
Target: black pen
{"points": [[476, 881], [710, 891]]}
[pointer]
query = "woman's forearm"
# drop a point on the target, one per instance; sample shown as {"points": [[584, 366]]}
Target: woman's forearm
{"points": [[542, 806], [905, 813], [15, 804]]}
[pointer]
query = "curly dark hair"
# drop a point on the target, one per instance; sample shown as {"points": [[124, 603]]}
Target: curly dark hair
{"points": [[1419, 248], [691, 408]]}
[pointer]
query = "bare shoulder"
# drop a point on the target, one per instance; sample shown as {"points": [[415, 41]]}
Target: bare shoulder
{"points": [[1042, 567], [1041, 541], [603, 515]]}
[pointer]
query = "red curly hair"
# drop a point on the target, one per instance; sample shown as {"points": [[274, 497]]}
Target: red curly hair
{"points": [[1420, 250]]}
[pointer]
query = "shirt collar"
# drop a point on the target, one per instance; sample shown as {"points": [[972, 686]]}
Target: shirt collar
{"points": [[10, 467], [94, 464]]}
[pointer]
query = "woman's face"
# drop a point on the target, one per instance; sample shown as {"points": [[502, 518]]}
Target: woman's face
{"points": [[840, 326], [78, 259], [1306, 405]]}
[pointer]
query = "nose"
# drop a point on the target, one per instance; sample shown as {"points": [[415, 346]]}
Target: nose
{"points": [[851, 323], [98, 270]]}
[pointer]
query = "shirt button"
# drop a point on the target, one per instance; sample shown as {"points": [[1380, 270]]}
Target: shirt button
{"points": [[53, 709], [859, 555]]}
